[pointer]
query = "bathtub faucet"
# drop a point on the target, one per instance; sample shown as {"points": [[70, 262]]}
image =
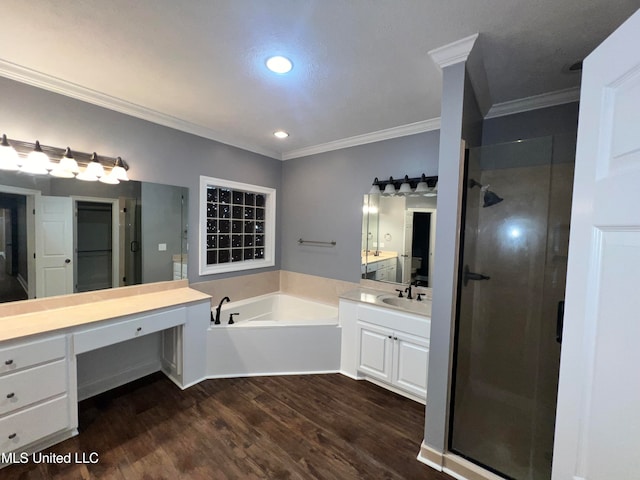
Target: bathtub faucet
{"points": [[217, 320]]}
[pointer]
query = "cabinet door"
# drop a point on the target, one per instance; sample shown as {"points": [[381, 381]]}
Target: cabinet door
{"points": [[375, 351], [411, 363]]}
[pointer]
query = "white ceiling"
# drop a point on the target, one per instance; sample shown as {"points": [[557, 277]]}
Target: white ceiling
{"points": [[360, 66]]}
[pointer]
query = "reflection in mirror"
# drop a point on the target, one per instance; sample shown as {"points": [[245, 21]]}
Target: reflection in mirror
{"points": [[398, 237], [60, 236]]}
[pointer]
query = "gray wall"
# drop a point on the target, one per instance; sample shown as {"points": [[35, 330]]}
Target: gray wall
{"points": [[322, 197], [155, 153], [161, 223], [561, 119]]}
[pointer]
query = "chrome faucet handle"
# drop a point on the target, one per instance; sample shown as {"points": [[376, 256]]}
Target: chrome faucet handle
{"points": [[399, 293]]}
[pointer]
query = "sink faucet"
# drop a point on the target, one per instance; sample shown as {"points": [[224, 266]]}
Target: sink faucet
{"points": [[408, 290], [217, 319]]}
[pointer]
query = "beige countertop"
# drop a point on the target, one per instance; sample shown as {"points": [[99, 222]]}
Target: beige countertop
{"points": [[382, 255], [377, 298], [72, 315]]}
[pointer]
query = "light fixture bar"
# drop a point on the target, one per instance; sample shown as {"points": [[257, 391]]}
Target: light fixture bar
{"points": [[54, 153], [431, 182]]}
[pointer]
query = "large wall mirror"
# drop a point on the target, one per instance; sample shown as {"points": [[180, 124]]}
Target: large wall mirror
{"points": [[398, 238], [60, 236]]}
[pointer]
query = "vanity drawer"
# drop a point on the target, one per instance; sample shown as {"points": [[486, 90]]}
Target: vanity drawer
{"points": [[17, 390], [35, 423], [25, 355], [115, 332]]}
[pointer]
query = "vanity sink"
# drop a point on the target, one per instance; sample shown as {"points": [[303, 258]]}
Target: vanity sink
{"points": [[395, 301], [422, 307]]}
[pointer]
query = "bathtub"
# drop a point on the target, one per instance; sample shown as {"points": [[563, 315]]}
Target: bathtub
{"points": [[274, 334]]}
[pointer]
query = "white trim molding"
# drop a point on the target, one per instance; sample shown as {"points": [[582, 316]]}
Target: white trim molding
{"points": [[269, 223], [387, 134], [56, 85], [544, 100], [454, 52]]}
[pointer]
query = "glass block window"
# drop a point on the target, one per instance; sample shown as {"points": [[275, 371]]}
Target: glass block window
{"points": [[237, 226]]}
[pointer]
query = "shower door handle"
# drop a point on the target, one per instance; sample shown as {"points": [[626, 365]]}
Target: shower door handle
{"points": [[559, 321], [469, 275]]}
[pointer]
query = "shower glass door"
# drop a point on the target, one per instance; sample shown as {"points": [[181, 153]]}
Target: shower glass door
{"points": [[513, 259]]}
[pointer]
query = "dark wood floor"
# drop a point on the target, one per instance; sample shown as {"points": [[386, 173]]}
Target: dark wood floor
{"points": [[291, 427]]}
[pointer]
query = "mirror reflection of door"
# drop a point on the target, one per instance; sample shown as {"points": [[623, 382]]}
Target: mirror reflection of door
{"points": [[54, 246], [419, 241], [13, 248], [97, 259]]}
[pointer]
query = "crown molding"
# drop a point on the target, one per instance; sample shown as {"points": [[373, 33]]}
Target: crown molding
{"points": [[543, 100], [453, 53], [68, 89], [387, 134]]}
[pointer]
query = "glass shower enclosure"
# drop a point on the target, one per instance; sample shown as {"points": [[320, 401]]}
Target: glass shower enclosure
{"points": [[516, 213]]}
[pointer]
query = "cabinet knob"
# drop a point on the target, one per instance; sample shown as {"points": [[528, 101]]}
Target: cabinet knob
{"points": [[12, 436], [390, 336], [11, 395], [8, 362], [139, 329], [395, 338]]}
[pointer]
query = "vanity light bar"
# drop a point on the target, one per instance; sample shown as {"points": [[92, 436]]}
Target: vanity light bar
{"points": [[55, 154], [379, 186]]}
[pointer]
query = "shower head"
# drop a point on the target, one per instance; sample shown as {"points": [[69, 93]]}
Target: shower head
{"points": [[491, 199], [473, 183]]}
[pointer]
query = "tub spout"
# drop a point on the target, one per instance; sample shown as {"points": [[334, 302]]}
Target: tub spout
{"points": [[217, 319]]}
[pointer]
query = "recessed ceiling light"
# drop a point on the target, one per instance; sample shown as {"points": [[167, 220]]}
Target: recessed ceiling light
{"points": [[279, 64], [281, 134]]}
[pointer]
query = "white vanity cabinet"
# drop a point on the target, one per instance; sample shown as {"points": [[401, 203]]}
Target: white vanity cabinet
{"points": [[384, 269], [37, 394], [393, 356], [42, 352], [386, 346]]}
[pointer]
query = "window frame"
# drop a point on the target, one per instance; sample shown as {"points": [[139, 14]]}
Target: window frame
{"points": [[269, 222]]}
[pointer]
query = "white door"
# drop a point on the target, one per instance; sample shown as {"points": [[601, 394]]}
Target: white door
{"points": [[406, 256], [598, 416], [54, 246]]}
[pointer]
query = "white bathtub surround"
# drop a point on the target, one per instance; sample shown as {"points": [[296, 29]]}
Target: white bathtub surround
{"points": [[275, 334], [321, 289]]}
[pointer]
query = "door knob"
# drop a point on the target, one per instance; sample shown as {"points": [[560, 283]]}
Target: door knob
{"points": [[67, 260]]}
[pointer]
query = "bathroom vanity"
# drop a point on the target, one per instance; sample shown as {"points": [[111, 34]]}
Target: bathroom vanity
{"points": [[41, 341], [385, 339]]}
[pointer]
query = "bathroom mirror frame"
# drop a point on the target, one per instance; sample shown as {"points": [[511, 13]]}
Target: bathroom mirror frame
{"points": [[139, 229], [389, 223]]}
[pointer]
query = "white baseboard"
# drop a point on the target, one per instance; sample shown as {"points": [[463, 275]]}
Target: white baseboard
{"points": [[102, 385], [428, 462], [350, 375]]}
